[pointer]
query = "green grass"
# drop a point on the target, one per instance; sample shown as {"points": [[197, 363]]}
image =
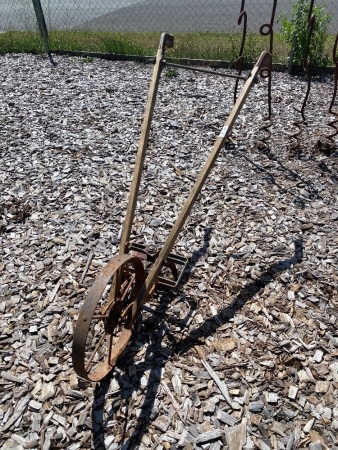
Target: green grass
{"points": [[203, 45], [20, 42]]}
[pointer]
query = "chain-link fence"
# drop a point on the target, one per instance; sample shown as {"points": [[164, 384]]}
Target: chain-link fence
{"points": [[151, 15], [148, 15]]}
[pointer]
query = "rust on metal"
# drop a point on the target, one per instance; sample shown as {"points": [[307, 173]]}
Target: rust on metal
{"points": [[243, 17], [110, 314], [307, 59], [307, 67], [267, 30], [197, 69], [175, 264], [334, 123]]}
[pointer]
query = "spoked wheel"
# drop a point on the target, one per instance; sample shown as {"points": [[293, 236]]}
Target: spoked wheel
{"points": [[107, 316]]}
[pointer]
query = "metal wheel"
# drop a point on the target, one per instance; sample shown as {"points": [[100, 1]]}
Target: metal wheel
{"points": [[107, 316]]}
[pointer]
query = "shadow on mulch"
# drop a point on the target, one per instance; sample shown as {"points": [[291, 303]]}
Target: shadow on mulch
{"points": [[290, 174], [157, 355]]}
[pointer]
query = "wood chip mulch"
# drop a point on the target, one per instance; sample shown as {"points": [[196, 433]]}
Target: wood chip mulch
{"points": [[244, 354]]}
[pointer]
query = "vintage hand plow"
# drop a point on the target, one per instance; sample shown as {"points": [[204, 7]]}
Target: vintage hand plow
{"points": [[109, 312]]}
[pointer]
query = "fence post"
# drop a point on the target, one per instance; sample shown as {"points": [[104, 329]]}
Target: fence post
{"points": [[42, 28]]}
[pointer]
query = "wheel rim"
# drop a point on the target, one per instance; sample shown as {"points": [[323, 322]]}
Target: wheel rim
{"points": [[106, 319]]}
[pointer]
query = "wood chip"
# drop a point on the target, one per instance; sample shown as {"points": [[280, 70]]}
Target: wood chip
{"points": [[259, 297], [309, 425], [236, 436], [209, 436]]}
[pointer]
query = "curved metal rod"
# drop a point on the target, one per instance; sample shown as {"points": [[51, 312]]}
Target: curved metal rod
{"points": [[263, 141], [307, 59], [240, 60], [308, 70], [310, 26], [267, 30], [243, 16], [296, 135], [335, 62], [197, 69], [334, 123]]}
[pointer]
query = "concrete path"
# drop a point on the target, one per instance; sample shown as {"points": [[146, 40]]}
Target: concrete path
{"points": [[148, 15], [210, 15]]}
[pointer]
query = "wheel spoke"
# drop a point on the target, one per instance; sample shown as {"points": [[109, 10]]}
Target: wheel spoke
{"points": [[112, 299], [128, 287], [110, 346], [105, 326], [98, 345], [125, 312]]}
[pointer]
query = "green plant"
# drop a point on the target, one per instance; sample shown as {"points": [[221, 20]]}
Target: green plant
{"points": [[295, 31], [20, 41], [210, 46], [121, 46], [171, 73], [87, 59]]}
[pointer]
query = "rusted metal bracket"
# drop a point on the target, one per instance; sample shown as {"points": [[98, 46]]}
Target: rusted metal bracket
{"points": [[197, 69], [110, 309], [173, 267]]}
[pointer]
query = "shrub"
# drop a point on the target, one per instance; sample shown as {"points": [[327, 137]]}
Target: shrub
{"points": [[295, 31]]}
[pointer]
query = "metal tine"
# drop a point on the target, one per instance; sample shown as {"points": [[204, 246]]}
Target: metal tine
{"points": [[307, 59], [267, 30], [263, 61], [308, 69], [100, 316], [334, 123], [240, 60]]}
